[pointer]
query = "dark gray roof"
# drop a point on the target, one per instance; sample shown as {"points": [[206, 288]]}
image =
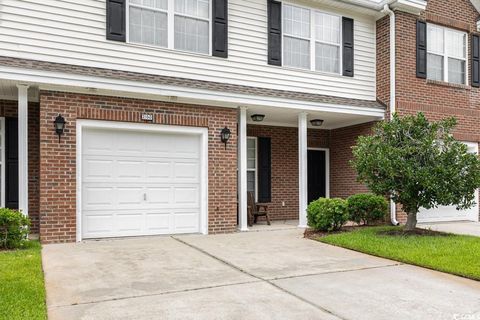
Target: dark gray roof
{"points": [[182, 82]]}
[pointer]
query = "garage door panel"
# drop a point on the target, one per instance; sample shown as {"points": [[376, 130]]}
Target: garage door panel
{"points": [[186, 195], [100, 198], [130, 221], [96, 224], [97, 169], [159, 221], [186, 221], [130, 170], [158, 196], [128, 197], [158, 171], [139, 183]]}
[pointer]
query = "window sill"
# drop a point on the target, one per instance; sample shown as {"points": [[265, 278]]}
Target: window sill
{"points": [[448, 84]]}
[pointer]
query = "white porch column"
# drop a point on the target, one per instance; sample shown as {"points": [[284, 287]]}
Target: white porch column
{"points": [[302, 170], [23, 148], [242, 169]]}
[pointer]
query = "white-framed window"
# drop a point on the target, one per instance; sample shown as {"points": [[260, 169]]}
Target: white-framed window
{"points": [[311, 39], [446, 54], [252, 165], [173, 24], [2, 162]]}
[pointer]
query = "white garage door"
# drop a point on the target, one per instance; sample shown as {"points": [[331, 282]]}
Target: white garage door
{"points": [[139, 183], [450, 213]]}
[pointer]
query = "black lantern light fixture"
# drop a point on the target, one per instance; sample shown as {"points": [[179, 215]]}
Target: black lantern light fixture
{"points": [[316, 122], [225, 136], [258, 117], [59, 126]]}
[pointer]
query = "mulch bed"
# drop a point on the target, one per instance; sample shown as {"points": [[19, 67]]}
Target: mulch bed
{"points": [[312, 234]]}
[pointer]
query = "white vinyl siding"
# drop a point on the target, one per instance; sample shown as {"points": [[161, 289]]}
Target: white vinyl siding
{"points": [[447, 54], [66, 31], [311, 39]]}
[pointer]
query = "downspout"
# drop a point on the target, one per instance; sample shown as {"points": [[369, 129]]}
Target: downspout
{"points": [[387, 10]]}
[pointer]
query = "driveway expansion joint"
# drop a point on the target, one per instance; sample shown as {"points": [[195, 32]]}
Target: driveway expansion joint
{"points": [[153, 294], [260, 278]]}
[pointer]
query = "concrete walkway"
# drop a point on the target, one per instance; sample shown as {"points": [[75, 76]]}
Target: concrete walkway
{"points": [[256, 275], [461, 227]]}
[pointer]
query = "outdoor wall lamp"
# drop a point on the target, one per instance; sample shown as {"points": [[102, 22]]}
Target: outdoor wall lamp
{"points": [[258, 117], [316, 122], [59, 126], [225, 136]]}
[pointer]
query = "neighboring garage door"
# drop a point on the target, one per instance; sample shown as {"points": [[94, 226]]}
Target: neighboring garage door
{"points": [[139, 183], [450, 213]]}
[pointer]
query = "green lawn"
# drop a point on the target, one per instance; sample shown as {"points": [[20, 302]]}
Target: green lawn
{"points": [[454, 254], [22, 291]]}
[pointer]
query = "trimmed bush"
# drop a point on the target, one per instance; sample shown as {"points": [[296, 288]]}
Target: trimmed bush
{"points": [[14, 227], [327, 214], [367, 208]]}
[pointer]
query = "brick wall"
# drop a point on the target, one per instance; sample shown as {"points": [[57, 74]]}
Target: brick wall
{"points": [[58, 160], [9, 108], [343, 178], [284, 142], [437, 100]]}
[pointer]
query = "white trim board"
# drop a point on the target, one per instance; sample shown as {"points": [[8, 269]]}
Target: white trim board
{"points": [[203, 132], [57, 81]]}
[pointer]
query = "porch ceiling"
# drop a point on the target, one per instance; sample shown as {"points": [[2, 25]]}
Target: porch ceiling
{"points": [[9, 91], [284, 117]]}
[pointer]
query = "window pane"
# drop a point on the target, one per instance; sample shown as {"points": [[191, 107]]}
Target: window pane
{"points": [[195, 8], [327, 58], [191, 34], [456, 71], [148, 26], [296, 21], [456, 44], [435, 39], [435, 67], [251, 181], [296, 53], [157, 4], [327, 28]]}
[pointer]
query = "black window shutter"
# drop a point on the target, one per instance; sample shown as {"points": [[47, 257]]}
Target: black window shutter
{"points": [[220, 28], [274, 9], [264, 153], [116, 20], [348, 48], [11, 159], [421, 49], [475, 60]]}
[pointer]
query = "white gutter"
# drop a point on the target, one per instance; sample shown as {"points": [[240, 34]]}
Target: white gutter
{"points": [[387, 10], [380, 5]]}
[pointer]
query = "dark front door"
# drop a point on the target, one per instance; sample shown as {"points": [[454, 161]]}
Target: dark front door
{"points": [[11, 163], [316, 174]]}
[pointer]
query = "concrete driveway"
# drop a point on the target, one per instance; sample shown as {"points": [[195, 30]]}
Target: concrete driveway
{"points": [[458, 227], [255, 275]]}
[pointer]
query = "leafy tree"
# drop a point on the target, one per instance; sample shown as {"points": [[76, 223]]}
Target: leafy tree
{"points": [[418, 164]]}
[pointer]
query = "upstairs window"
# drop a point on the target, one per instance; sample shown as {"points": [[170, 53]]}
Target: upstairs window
{"points": [[311, 39], [174, 24], [446, 54]]}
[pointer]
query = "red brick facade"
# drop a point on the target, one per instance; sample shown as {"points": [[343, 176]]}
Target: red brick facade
{"points": [[58, 160], [8, 109], [437, 100]]}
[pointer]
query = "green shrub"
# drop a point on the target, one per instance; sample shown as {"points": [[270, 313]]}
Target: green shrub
{"points": [[327, 214], [367, 208], [14, 227]]}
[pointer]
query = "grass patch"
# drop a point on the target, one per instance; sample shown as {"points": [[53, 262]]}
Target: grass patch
{"points": [[455, 254], [22, 290]]}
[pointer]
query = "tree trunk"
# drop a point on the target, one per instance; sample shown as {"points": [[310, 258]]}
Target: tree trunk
{"points": [[411, 221]]}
